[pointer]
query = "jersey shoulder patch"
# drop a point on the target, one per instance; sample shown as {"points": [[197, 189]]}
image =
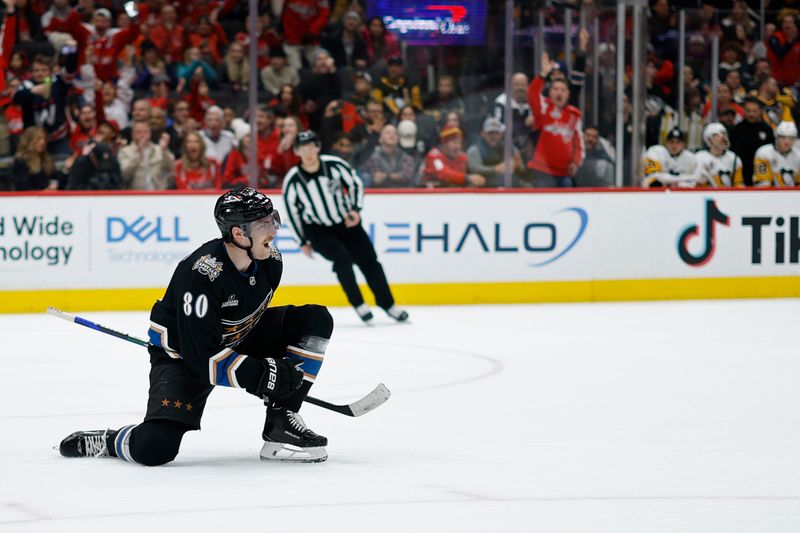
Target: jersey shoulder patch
{"points": [[207, 265]]}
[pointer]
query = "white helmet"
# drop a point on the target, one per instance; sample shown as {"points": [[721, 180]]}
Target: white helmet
{"points": [[786, 129], [713, 129]]}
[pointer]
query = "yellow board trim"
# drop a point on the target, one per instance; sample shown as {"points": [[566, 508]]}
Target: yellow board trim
{"points": [[437, 293]]}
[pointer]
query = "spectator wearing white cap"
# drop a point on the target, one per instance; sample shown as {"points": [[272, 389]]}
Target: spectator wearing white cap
{"points": [[427, 130], [409, 142], [486, 156]]}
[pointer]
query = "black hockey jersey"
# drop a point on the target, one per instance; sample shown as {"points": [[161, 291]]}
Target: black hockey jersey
{"points": [[208, 309]]}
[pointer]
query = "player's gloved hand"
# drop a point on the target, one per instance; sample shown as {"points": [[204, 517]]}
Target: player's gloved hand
{"points": [[280, 379]]}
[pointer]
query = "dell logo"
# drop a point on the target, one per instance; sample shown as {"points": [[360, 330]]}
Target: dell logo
{"points": [[143, 229]]}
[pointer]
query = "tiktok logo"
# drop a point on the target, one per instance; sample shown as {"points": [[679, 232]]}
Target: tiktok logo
{"points": [[713, 215]]}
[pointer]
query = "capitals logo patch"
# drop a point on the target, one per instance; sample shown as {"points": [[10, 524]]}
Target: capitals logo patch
{"points": [[208, 266]]}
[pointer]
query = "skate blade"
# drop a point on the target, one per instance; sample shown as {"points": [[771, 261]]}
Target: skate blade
{"points": [[286, 453]]}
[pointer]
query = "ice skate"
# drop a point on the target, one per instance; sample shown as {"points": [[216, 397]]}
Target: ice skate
{"points": [[397, 313], [365, 314], [287, 439], [87, 443]]}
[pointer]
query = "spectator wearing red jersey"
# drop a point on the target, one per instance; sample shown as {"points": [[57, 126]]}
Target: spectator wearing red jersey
{"points": [[210, 38], [280, 156], [234, 167], [199, 100], [8, 35], [303, 22], [381, 43], [108, 133], [267, 132], [106, 42], [169, 37], [446, 165], [268, 39], [784, 51], [559, 151], [190, 11], [12, 118], [149, 12], [84, 129], [194, 170], [58, 12]]}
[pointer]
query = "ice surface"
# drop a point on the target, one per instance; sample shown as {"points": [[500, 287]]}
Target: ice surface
{"points": [[635, 417]]}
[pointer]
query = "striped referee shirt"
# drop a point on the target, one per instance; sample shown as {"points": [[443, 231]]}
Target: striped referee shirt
{"points": [[323, 198]]}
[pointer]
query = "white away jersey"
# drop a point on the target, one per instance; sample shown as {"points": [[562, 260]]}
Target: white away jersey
{"points": [[718, 171], [772, 168], [663, 169]]}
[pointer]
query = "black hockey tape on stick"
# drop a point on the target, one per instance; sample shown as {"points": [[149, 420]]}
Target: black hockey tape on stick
{"points": [[374, 399]]}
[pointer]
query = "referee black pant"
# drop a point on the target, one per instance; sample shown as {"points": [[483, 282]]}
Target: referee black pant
{"points": [[348, 246]]}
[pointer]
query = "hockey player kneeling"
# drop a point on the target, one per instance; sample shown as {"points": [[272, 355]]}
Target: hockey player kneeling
{"points": [[214, 327]]}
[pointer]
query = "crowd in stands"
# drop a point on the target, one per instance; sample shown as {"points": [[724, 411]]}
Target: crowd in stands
{"points": [[752, 140], [153, 95]]}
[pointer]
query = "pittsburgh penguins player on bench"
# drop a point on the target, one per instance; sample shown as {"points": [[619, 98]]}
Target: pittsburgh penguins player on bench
{"points": [[214, 327]]}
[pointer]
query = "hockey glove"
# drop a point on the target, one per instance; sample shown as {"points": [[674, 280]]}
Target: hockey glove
{"points": [[280, 379]]}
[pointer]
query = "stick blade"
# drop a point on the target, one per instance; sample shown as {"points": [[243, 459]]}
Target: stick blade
{"points": [[58, 313], [374, 399]]}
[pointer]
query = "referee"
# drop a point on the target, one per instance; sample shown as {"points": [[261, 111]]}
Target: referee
{"points": [[323, 196]]}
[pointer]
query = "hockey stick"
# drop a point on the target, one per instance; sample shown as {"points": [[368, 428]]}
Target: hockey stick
{"points": [[374, 399]]}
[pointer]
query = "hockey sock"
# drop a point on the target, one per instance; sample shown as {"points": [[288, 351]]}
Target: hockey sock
{"points": [[110, 438], [309, 352]]}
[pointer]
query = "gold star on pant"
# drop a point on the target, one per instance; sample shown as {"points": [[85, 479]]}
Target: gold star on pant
{"points": [[165, 402], [178, 404], [188, 407]]}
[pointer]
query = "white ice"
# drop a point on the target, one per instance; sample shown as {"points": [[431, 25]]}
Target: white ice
{"points": [[634, 417]]}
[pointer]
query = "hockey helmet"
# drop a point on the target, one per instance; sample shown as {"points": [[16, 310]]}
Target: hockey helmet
{"points": [[306, 137], [240, 207], [786, 129], [712, 130], [676, 133]]}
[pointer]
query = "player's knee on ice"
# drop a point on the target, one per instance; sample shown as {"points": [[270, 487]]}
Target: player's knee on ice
{"points": [[156, 442]]}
